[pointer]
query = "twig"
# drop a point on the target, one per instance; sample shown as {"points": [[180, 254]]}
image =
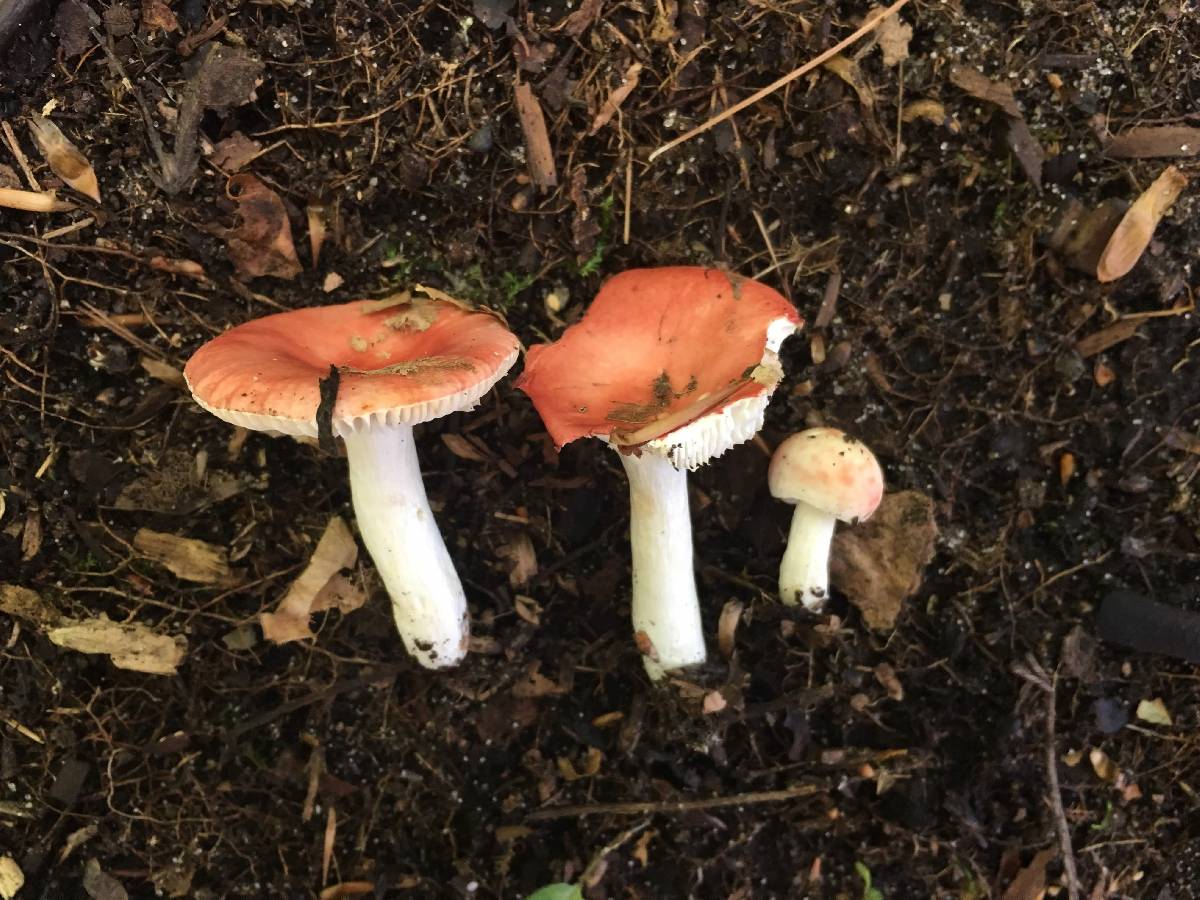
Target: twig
{"points": [[677, 806], [1031, 670], [869, 25]]}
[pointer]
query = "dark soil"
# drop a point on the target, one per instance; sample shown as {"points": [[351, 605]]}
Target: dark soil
{"points": [[952, 351]]}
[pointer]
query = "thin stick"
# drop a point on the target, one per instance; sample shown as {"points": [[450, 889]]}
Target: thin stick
{"points": [[18, 155], [628, 196], [32, 201], [866, 27], [1033, 672], [649, 808]]}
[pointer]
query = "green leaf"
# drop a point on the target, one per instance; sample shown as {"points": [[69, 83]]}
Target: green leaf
{"points": [[860, 869], [557, 892]]}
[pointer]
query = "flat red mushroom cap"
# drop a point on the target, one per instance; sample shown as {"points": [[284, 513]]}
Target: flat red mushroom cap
{"points": [[410, 362], [657, 350]]}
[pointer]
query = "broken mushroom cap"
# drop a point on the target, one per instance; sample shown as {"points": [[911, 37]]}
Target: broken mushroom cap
{"points": [[679, 361], [671, 367], [827, 469], [400, 360]]}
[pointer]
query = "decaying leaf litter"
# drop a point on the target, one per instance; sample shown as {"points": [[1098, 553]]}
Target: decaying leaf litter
{"points": [[970, 347]]}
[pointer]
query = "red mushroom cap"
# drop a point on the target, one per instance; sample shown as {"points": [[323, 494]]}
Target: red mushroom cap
{"points": [[828, 469], [661, 349], [400, 360]]}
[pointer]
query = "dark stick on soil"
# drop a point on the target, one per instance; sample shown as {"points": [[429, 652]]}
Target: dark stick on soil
{"points": [[1132, 620], [677, 806]]}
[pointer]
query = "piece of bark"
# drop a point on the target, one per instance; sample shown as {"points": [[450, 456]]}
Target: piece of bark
{"points": [[539, 153]]}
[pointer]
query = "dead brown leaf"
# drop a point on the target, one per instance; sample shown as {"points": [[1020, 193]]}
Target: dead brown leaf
{"points": [[878, 564], [534, 684], [1030, 882], [12, 879], [157, 15], [462, 448], [27, 605], [1133, 234], [519, 551], [847, 70], [1150, 141], [893, 35], [581, 20], [539, 153], [64, 158], [186, 558], [983, 88], [318, 587], [355, 889], [234, 152], [1026, 149], [131, 645], [262, 243], [613, 103], [1109, 336], [591, 766]]}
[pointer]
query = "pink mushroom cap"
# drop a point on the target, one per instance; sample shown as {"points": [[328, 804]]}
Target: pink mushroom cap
{"points": [[829, 470], [401, 360], [660, 350]]}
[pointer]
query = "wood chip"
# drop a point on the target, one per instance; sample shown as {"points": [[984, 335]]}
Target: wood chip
{"points": [[186, 558], [1110, 336], [1133, 234], [463, 448], [983, 88], [539, 153], [27, 605], [1150, 141], [358, 888], [616, 98], [130, 645], [161, 371], [319, 587]]}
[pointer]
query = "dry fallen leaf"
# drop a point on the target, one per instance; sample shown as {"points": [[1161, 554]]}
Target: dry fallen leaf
{"points": [[535, 684], [613, 103], [234, 152], [64, 158], [1133, 234], [1154, 711], [579, 21], [22, 603], [319, 586], [262, 243], [11, 878], [878, 564], [462, 448], [893, 34], [187, 558], [1030, 882], [156, 14], [161, 371], [101, 886], [1149, 141], [847, 70], [131, 645], [591, 766], [983, 88], [519, 551]]}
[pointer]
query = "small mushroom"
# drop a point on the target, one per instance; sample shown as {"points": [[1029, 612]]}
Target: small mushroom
{"points": [[399, 362], [827, 475], [670, 367]]}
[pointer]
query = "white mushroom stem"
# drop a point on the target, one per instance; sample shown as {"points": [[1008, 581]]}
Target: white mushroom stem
{"points": [[804, 571], [402, 537], [666, 610]]}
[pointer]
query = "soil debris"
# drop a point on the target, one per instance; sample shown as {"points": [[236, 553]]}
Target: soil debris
{"points": [[878, 563]]}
